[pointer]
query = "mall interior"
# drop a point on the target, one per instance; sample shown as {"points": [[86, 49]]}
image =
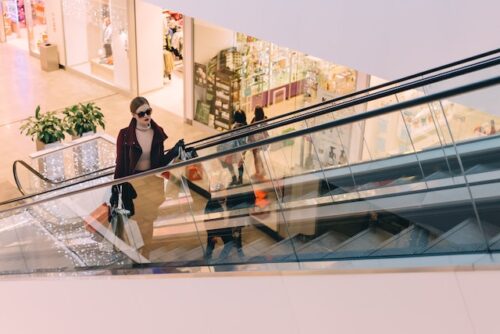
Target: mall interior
{"points": [[339, 173]]}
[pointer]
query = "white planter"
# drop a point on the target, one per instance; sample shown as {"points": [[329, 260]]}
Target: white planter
{"points": [[42, 147]]}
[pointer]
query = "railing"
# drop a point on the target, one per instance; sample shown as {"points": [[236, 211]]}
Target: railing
{"points": [[299, 117], [440, 200]]}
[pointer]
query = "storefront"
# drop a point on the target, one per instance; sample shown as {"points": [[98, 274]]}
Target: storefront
{"points": [[24, 24], [96, 38], [161, 72], [13, 22], [234, 71], [37, 24]]}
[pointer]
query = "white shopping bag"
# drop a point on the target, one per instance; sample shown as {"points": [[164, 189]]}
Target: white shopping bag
{"points": [[133, 234]]}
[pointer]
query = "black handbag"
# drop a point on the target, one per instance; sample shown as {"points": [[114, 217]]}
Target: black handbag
{"points": [[128, 195]]}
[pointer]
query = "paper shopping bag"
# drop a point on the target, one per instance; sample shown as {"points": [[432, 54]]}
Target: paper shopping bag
{"points": [[133, 234], [194, 172], [100, 215]]}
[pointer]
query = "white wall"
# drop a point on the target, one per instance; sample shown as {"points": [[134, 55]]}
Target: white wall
{"points": [[387, 38], [75, 31], [149, 46], [121, 62], [209, 40], [424, 302], [53, 14]]}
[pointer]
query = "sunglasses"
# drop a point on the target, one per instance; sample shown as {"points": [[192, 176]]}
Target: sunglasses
{"points": [[144, 113]]}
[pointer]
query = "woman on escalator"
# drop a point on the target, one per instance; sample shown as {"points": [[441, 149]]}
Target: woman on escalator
{"points": [[261, 199], [259, 116], [139, 148], [228, 161]]}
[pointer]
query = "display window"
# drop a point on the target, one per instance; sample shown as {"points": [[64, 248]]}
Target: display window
{"points": [[14, 18], [161, 70], [37, 24], [234, 71], [9, 8], [96, 39]]}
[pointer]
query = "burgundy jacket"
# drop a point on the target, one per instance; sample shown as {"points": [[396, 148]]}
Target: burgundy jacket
{"points": [[128, 150]]}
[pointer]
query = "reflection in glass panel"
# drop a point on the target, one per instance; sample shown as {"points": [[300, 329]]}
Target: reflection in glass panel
{"points": [[472, 121]]}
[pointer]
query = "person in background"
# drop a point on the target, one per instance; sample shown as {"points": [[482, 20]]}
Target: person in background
{"points": [[240, 119], [260, 194], [227, 161], [259, 116]]}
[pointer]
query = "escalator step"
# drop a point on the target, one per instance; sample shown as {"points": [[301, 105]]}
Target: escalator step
{"points": [[361, 244], [465, 236], [321, 246]]}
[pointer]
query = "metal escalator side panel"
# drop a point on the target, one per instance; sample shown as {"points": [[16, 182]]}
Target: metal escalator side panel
{"points": [[321, 246], [464, 237], [412, 240], [361, 244]]}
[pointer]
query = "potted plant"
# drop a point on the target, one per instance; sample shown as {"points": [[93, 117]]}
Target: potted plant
{"points": [[46, 128], [82, 119]]}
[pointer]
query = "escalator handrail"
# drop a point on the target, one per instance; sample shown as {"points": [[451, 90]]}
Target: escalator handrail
{"points": [[261, 126], [264, 125], [258, 127], [360, 92], [249, 146], [45, 179], [242, 129]]}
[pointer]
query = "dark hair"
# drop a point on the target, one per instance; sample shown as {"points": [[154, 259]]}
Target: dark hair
{"points": [[259, 114], [137, 102], [240, 117]]}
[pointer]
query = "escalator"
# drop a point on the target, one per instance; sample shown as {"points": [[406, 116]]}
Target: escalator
{"points": [[399, 191], [92, 159]]}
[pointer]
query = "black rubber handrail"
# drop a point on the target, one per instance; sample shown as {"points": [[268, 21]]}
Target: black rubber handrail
{"points": [[43, 178], [249, 146], [229, 134], [258, 127], [419, 83]]}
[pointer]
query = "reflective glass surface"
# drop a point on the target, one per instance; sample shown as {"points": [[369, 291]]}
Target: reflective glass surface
{"points": [[397, 183]]}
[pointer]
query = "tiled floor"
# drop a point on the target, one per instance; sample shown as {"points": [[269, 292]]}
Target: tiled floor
{"points": [[23, 86]]}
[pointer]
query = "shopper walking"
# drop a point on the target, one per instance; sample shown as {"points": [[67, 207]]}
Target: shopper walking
{"points": [[228, 161], [259, 116]]}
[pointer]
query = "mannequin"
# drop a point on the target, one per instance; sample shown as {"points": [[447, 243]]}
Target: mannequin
{"points": [[107, 36]]}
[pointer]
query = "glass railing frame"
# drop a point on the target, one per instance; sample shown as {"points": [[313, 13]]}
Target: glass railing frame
{"points": [[350, 119], [360, 92], [47, 180], [354, 118], [243, 131], [420, 83]]}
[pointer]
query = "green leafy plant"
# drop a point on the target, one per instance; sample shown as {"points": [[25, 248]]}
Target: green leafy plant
{"points": [[83, 118], [47, 127]]}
